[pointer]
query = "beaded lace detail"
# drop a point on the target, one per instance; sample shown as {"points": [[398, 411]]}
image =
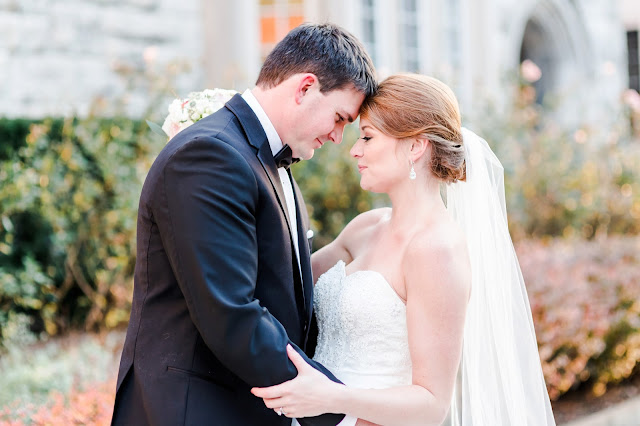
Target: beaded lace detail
{"points": [[362, 329]]}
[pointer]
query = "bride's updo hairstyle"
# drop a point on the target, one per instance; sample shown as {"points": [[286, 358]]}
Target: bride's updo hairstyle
{"points": [[416, 106]]}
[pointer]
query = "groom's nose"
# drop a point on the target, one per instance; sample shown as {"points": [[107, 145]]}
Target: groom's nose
{"points": [[336, 135]]}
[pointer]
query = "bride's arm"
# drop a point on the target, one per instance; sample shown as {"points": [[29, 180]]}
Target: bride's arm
{"points": [[323, 259], [346, 243], [437, 281]]}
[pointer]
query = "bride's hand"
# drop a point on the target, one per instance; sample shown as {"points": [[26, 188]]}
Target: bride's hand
{"points": [[361, 422], [307, 395]]}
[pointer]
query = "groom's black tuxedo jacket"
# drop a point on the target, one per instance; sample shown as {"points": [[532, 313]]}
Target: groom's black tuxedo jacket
{"points": [[217, 292]]}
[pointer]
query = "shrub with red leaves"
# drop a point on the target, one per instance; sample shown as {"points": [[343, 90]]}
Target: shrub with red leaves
{"points": [[585, 300], [92, 406]]}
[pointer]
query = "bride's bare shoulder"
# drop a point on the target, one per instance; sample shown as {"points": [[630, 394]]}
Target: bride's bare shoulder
{"points": [[349, 243], [444, 237], [438, 256], [366, 221]]}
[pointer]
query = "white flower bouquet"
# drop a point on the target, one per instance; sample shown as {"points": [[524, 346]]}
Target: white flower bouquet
{"points": [[184, 112]]}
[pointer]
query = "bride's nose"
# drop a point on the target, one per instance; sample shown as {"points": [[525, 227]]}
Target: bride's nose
{"points": [[356, 150]]}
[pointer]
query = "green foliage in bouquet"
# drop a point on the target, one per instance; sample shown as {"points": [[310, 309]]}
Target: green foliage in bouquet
{"points": [[68, 204]]}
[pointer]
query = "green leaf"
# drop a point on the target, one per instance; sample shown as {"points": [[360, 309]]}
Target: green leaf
{"points": [[155, 128], [6, 223]]}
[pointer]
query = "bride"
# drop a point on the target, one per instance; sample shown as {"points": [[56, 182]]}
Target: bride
{"points": [[422, 310]]}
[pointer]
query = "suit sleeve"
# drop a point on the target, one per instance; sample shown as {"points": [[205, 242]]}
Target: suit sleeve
{"points": [[206, 214]]}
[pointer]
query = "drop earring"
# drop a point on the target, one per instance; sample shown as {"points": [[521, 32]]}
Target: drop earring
{"points": [[412, 173]]}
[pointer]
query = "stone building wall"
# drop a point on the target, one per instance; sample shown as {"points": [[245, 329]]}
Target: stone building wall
{"points": [[57, 56]]}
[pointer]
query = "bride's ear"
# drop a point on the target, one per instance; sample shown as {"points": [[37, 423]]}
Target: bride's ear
{"points": [[419, 148]]}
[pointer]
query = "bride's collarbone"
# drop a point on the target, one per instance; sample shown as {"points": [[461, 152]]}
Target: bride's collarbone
{"points": [[382, 250]]}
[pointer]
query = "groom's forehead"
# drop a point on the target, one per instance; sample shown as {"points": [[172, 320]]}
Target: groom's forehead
{"points": [[349, 106], [353, 96]]}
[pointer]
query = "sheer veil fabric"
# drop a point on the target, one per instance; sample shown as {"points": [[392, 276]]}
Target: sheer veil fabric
{"points": [[500, 381]]}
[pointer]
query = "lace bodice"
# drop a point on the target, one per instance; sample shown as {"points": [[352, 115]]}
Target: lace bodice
{"points": [[362, 329]]}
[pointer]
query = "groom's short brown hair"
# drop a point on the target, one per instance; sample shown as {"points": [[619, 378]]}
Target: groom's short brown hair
{"points": [[334, 55]]}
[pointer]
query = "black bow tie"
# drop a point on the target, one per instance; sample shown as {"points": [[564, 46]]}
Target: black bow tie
{"points": [[283, 157]]}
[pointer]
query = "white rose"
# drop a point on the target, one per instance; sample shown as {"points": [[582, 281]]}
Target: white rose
{"points": [[198, 105]]}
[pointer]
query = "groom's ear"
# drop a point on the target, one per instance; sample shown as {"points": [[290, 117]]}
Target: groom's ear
{"points": [[305, 83]]}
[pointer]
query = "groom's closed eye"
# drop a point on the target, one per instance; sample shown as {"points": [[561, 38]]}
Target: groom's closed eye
{"points": [[344, 117]]}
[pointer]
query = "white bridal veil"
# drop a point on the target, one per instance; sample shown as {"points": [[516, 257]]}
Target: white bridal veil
{"points": [[500, 379]]}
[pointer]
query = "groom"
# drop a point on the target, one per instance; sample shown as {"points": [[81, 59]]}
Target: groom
{"points": [[223, 278]]}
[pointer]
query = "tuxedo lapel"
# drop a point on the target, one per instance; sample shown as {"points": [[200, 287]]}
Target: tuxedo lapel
{"points": [[258, 139], [268, 163], [305, 250]]}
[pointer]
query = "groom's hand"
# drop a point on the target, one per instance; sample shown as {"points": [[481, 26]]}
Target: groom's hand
{"points": [[309, 394]]}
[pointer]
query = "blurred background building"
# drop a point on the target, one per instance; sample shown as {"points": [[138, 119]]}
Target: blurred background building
{"points": [[70, 185], [56, 56]]}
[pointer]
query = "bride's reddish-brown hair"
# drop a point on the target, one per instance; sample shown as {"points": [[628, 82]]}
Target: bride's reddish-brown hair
{"points": [[416, 106]]}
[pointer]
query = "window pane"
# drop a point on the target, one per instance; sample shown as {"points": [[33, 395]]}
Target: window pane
{"points": [[634, 68], [410, 5], [277, 18], [408, 30], [411, 34], [268, 26], [294, 21]]}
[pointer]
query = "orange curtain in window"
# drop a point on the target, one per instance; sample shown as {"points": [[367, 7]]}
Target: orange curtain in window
{"points": [[268, 30], [277, 19]]}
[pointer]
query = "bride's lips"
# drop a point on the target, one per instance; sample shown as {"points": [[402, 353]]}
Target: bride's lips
{"points": [[361, 168], [320, 143]]}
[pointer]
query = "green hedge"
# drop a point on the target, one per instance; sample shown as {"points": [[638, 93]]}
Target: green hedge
{"points": [[68, 204], [13, 135]]}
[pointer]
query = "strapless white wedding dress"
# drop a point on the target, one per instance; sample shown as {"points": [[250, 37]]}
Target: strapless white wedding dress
{"points": [[362, 329]]}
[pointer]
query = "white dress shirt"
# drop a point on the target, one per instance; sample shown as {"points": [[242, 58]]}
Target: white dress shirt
{"points": [[275, 143]]}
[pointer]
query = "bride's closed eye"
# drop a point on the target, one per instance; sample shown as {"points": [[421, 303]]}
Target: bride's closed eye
{"points": [[365, 138]]}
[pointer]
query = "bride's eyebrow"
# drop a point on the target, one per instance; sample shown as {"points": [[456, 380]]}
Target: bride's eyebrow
{"points": [[365, 127]]}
